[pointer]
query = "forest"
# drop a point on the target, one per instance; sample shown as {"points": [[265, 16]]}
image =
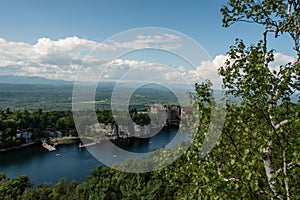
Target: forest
{"points": [[33, 97], [39, 123]]}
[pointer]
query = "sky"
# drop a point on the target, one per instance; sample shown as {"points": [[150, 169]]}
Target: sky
{"points": [[52, 38]]}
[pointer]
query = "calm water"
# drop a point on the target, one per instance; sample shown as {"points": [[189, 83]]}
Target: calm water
{"points": [[44, 166], [72, 163]]}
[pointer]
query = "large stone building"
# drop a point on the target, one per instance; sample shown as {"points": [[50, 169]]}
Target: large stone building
{"points": [[167, 116], [173, 115]]}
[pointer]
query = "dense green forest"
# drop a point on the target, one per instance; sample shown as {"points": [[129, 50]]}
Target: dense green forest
{"points": [[39, 123], [34, 97], [59, 97], [258, 153]]}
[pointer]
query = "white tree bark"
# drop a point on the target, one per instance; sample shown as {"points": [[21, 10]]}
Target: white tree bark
{"points": [[267, 152], [286, 183]]}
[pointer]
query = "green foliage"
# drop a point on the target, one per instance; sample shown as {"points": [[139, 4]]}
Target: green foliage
{"points": [[13, 188], [266, 93], [33, 97], [11, 123], [282, 15], [111, 184], [41, 193], [105, 116], [141, 119]]}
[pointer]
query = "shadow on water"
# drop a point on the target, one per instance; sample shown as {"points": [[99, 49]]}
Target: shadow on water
{"points": [[146, 145]]}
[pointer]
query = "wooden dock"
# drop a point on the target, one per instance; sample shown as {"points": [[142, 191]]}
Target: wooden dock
{"points": [[48, 147], [87, 145]]}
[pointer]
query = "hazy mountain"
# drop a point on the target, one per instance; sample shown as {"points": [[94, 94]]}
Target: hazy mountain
{"points": [[12, 79]]}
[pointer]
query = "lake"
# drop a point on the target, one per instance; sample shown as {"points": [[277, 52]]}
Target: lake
{"points": [[69, 161]]}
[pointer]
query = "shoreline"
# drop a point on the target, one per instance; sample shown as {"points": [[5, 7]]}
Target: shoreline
{"points": [[53, 141], [64, 140], [57, 141], [68, 140], [19, 147]]}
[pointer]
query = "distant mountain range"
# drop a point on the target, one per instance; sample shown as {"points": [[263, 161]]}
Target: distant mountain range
{"points": [[12, 79], [36, 80]]}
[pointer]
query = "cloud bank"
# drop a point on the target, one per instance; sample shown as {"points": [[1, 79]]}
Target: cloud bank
{"points": [[61, 59]]}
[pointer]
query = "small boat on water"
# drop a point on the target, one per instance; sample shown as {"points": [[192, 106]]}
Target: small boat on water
{"points": [[114, 156], [58, 154]]}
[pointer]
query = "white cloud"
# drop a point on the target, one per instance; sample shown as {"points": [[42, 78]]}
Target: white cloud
{"points": [[163, 41], [63, 58], [47, 58], [207, 70], [280, 59], [220, 60]]}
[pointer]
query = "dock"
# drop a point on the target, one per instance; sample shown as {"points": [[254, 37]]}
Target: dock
{"points": [[49, 147], [87, 145]]}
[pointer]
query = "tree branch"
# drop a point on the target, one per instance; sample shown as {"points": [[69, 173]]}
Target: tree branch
{"points": [[287, 189], [267, 152], [270, 111], [282, 123], [289, 166], [293, 165], [289, 7], [233, 143], [229, 179]]}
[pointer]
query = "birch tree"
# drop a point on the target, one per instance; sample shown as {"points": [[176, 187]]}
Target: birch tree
{"points": [[266, 93]]}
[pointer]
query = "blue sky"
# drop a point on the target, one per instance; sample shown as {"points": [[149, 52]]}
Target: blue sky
{"points": [[29, 20], [96, 20]]}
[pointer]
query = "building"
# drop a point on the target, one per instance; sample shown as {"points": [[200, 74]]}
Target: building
{"points": [[26, 136], [173, 115], [107, 129]]}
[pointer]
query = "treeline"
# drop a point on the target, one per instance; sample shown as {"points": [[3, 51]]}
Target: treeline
{"points": [[140, 118], [103, 183], [40, 123], [59, 97]]}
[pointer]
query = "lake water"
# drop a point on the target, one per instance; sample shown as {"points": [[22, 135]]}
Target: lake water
{"points": [[69, 161]]}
